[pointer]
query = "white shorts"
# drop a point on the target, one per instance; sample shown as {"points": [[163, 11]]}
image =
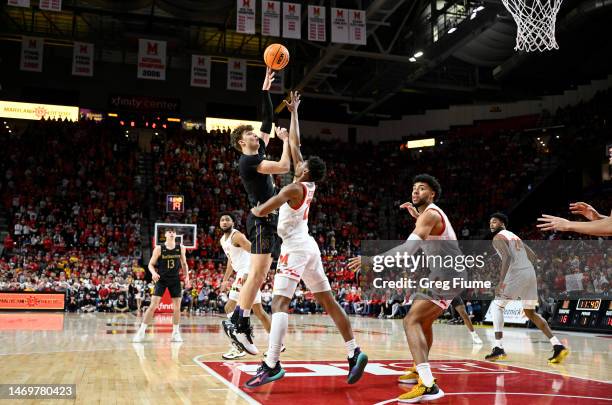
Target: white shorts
{"points": [[295, 265], [521, 285], [237, 286]]}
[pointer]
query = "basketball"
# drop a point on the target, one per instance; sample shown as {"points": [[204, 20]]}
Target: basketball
{"points": [[276, 56]]}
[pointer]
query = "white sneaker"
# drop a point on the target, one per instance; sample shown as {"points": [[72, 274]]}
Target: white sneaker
{"points": [[476, 339], [139, 337], [234, 353], [176, 337]]}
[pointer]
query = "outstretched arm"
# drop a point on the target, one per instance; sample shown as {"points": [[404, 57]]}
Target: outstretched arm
{"points": [[293, 192], [267, 109], [284, 164], [599, 227], [294, 128]]}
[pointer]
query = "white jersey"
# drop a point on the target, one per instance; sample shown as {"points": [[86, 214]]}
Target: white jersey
{"points": [[293, 222], [448, 233], [518, 254], [241, 259]]}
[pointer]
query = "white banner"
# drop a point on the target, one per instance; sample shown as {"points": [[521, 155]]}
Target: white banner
{"points": [[236, 74], [573, 282], [357, 27], [19, 3], [513, 313], [316, 23], [270, 18], [278, 85], [292, 20], [200, 71], [82, 59], [32, 111], [339, 25], [151, 59], [245, 16], [51, 5], [31, 54]]}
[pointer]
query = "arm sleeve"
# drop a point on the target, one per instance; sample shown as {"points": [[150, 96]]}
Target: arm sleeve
{"points": [[267, 112]]}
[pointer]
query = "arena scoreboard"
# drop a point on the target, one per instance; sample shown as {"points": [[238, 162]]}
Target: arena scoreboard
{"points": [[175, 203], [592, 314]]}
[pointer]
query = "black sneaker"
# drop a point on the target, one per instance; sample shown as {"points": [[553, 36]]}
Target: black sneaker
{"points": [[266, 375], [357, 364], [242, 336], [560, 352], [496, 354]]}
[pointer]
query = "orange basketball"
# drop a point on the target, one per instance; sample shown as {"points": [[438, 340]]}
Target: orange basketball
{"points": [[276, 56]]}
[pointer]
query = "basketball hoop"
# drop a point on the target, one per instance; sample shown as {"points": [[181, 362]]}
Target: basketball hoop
{"points": [[535, 20]]}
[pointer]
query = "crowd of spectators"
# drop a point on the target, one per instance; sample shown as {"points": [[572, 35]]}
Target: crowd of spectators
{"points": [[71, 194]]}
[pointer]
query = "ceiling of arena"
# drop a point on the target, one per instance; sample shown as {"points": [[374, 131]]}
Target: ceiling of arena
{"points": [[475, 63]]}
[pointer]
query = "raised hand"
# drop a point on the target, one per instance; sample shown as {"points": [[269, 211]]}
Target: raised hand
{"points": [[281, 133], [411, 209], [294, 101], [268, 79], [584, 209]]}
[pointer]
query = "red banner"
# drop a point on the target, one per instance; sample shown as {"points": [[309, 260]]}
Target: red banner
{"points": [[31, 300]]}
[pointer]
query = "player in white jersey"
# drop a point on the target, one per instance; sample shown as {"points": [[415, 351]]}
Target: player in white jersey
{"points": [[237, 248], [300, 259], [517, 281], [431, 224]]}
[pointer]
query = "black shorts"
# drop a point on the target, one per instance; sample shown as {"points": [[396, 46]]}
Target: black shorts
{"points": [[262, 234], [173, 285], [457, 301]]}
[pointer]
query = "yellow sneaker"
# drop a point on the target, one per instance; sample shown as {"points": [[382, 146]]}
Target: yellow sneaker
{"points": [[559, 354], [411, 376], [421, 393]]}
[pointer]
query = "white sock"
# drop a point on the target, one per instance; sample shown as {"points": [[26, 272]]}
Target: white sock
{"points": [[351, 345], [498, 343], [143, 328], [425, 374], [175, 328], [554, 341], [278, 330], [246, 313], [229, 315]]}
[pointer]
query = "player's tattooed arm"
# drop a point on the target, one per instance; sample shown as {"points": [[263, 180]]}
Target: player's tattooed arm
{"points": [[501, 246], [292, 193], [153, 262]]}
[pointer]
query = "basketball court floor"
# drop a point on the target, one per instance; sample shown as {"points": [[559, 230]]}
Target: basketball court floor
{"points": [[94, 352]]}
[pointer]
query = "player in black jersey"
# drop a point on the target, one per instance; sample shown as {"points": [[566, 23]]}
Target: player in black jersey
{"points": [[255, 173], [168, 257]]}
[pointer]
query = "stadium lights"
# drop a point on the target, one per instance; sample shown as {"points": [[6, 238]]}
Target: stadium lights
{"points": [[412, 59], [174, 120], [479, 8], [452, 30], [418, 54], [112, 115]]}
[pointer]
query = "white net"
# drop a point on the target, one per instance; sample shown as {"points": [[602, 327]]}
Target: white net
{"points": [[535, 20]]}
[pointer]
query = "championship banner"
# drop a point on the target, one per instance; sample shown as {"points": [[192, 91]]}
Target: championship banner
{"points": [[31, 301], [245, 16], [513, 313], [51, 5], [278, 85], [31, 54], [292, 20], [270, 18], [33, 111], [200, 71], [357, 27], [151, 59], [316, 23], [236, 74], [82, 59], [19, 3], [339, 25]]}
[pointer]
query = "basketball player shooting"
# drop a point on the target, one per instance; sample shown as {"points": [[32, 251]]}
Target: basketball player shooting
{"points": [[517, 281], [237, 248], [431, 224], [300, 259], [172, 256], [256, 175]]}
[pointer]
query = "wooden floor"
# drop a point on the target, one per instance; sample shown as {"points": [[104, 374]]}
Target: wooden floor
{"points": [[94, 352]]}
